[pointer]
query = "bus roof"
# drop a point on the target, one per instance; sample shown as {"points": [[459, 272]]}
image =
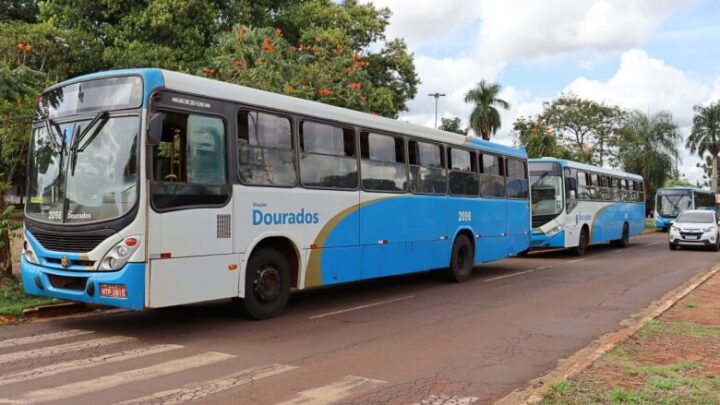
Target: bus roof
{"points": [[684, 188], [587, 167], [205, 87]]}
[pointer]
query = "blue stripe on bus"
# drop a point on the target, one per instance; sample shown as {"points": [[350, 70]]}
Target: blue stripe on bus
{"points": [[608, 223], [407, 234], [542, 241]]}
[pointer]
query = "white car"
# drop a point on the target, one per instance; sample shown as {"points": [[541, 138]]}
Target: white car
{"points": [[695, 228]]}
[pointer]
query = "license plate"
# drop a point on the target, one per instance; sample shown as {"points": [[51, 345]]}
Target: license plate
{"points": [[113, 290], [692, 237]]}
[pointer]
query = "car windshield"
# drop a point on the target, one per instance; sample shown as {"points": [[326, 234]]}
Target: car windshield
{"points": [[97, 182], [547, 198], [670, 204], [696, 218]]}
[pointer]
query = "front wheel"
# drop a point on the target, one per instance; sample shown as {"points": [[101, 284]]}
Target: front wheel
{"points": [[673, 246], [716, 246], [461, 260], [583, 243], [267, 284]]}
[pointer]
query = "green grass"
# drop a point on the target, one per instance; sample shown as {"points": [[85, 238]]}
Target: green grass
{"points": [[13, 299], [16, 241], [649, 225], [639, 382], [656, 327], [690, 304]]}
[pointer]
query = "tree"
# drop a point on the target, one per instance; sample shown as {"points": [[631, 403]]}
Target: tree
{"points": [[648, 146], [538, 139], [678, 183], [588, 128], [453, 125], [19, 10], [485, 117], [705, 137]]}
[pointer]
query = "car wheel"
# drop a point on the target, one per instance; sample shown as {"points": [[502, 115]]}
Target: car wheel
{"points": [[673, 246]]}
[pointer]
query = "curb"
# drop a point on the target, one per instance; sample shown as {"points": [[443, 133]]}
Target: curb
{"points": [[582, 359], [54, 311]]}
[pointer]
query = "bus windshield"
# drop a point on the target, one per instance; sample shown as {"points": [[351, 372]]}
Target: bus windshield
{"points": [[95, 182], [671, 203], [547, 194]]}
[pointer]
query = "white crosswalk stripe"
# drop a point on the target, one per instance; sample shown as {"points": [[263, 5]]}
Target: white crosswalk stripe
{"points": [[71, 390], [61, 349], [198, 391], [73, 365], [327, 394], [42, 338]]}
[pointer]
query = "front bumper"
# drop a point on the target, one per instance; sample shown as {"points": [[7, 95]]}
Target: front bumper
{"points": [[85, 285], [540, 240], [663, 223], [706, 239]]}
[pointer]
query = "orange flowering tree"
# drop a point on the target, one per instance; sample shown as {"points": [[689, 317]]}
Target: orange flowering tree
{"points": [[321, 67]]}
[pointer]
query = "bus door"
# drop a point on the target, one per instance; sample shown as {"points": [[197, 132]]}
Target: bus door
{"points": [[189, 232], [492, 226], [572, 224]]}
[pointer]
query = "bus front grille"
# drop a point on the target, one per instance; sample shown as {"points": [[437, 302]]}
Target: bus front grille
{"points": [[74, 243]]}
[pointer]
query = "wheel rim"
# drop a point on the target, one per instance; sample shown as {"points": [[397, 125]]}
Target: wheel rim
{"points": [[267, 284]]}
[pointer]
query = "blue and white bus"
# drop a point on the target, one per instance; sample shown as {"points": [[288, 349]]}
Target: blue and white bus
{"points": [[671, 201], [150, 188], [575, 205]]}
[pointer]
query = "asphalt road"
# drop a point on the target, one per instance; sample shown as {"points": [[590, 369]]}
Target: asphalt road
{"points": [[402, 340]]}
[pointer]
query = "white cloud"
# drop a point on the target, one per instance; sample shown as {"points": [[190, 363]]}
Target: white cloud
{"points": [[541, 29]]}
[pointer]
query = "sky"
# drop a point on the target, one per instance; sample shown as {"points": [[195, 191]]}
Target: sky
{"points": [[650, 55]]}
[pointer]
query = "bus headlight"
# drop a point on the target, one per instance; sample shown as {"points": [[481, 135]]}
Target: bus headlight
{"points": [[118, 256], [554, 231], [29, 253]]}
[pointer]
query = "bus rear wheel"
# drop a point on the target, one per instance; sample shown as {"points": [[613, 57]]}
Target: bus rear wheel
{"points": [[461, 260], [583, 243], [624, 239], [267, 284]]}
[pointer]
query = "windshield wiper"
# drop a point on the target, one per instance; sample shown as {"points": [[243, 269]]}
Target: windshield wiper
{"points": [[93, 128], [49, 125]]}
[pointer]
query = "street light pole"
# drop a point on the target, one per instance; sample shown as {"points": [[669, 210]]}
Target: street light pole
{"points": [[437, 97]]}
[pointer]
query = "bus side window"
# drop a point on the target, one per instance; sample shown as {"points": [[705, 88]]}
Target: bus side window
{"points": [[383, 162], [594, 187], [492, 180], [328, 156], [517, 183], [605, 191], [583, 189], [265, 150], [463, 177], [427, 168], [624, 190], [189, 162], [616, 191]]}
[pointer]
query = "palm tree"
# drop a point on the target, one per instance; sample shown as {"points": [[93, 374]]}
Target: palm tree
{"points": [[649, 147], [705, 137], [485, 117]]}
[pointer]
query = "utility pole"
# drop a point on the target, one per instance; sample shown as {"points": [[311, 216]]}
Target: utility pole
{"points": [[437, 97]]}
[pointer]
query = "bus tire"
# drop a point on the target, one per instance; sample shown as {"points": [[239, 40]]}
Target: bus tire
{"points": [[461, 260], [583, 243], [624, 239], [267, 284]]}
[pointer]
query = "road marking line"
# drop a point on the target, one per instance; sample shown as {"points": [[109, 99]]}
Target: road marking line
{"points": [[653, 244], [508, 275], [73, 365], [42, 338], [575, 261], [364, 306], [445, 399], [543, 268], [618, 251], [200, 390], [126, 377], [61, 349], [328, 394]]}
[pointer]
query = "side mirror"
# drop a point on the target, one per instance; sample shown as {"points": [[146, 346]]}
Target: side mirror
{"points": [[155, 128]]}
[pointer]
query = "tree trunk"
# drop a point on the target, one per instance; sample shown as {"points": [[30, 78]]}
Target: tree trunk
{"points": [[5, 254], [714, 177]]}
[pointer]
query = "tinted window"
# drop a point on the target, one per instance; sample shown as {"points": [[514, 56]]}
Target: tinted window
{"points": [[463, 177], [189, 162], [328, 157], [383, 162], [427, 168], [583, 185], [492, 180], [594, 186], [517, 184], [265, 149]]}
